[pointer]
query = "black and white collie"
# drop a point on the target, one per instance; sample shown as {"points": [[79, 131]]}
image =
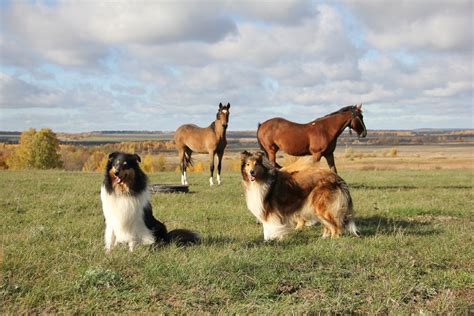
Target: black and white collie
{"points": [[127, 209], [295, 196]]}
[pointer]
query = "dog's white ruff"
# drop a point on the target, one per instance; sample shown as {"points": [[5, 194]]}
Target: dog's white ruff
{"points": [[273, 228], [124, 219]]}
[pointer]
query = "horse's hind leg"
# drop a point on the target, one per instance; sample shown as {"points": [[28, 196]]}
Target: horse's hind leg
{"points": [[272, 155], [211, 167], [182, 159], [219, 166], [331, 163]]}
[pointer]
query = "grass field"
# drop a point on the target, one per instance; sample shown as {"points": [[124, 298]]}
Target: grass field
{"points": [[415, 254]]}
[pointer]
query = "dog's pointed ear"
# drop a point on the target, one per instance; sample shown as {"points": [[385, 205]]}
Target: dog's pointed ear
{"points": [[244, 155], [113, 155], [260, 155], [137, 158]]}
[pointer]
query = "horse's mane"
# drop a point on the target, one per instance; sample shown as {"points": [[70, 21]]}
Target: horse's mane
{"points": [[342, 110], [213, 125]]}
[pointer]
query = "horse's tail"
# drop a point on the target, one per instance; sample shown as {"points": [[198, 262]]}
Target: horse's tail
{"points": [[259, 143]]}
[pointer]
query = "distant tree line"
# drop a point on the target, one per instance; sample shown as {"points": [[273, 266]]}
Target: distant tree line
{"points": [[41, 150]]}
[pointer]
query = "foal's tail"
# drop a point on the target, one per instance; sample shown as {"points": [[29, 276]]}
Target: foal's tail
{"points": [[187, 157], [259, 143]]}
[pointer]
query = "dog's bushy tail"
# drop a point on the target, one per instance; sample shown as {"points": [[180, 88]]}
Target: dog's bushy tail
{"points": [[183, 237], [349, 223]]}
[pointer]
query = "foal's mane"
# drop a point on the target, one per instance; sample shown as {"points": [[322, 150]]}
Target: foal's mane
{"points": [[213, 125]]}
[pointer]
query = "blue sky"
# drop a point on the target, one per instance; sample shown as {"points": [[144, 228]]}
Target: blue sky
{"points": [[154, 65]]}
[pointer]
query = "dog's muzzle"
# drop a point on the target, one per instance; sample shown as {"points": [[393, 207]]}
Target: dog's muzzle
{"points": [[117, 178], [252, 175]]}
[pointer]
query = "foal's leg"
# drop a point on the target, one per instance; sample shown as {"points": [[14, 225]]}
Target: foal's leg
{"points": [[211, 167], [331, 163], [219, 166], [182, 159]]}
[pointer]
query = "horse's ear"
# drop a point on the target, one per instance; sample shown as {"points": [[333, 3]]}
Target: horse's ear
{"points": [[113, 155], [220, 105], [359, 106], [137, 158], [228, 105], [244, 155]]}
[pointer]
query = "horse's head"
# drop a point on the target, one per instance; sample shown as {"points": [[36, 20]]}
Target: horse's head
{"points": [[223, 114], [357, 121]]}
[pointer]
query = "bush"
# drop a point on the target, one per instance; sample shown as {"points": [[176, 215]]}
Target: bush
{"points": [[74, 157], [96, 162], [152, 164], [392, 152]]}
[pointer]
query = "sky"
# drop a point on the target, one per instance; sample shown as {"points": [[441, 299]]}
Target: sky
{"points": [[78, 66]]}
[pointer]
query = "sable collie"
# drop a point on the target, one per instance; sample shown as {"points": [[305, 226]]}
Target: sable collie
{"points": [[289, 198], [127, 209]]}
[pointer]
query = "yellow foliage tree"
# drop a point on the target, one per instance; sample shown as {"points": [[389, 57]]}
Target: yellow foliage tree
{"points": [[37, 150], [46, 150]]}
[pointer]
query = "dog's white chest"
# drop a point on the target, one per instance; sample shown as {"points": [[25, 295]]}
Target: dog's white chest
{"points": [[124, 215], [254, 196]]}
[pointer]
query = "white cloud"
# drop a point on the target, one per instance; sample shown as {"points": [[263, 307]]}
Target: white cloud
{"points": [[155, 65], [419, 25]]}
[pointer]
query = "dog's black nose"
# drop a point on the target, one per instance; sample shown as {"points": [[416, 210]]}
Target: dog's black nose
{"points": [[116, 172], [252, 173]]}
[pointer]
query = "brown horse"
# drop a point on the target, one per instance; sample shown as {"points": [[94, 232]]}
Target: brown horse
{"points": [[190, 138], [317, 138]]}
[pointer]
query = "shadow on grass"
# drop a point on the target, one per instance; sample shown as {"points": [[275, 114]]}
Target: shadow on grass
{"points": [[361, 186], [368, 226], [378, 225], [217, 240], [382, 187]]}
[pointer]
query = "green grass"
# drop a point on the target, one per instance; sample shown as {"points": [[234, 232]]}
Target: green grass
{"points": [[415, 254]]}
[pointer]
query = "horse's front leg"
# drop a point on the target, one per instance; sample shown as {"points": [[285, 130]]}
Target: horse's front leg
{"points": [[331, 163], [211, 167], [219, 166]]}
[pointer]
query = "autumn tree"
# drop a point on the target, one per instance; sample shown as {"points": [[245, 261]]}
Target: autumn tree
{"points": [[46, 150], [36, 150]]}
